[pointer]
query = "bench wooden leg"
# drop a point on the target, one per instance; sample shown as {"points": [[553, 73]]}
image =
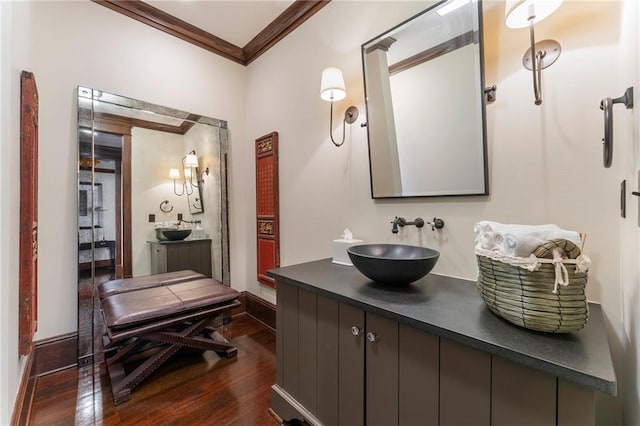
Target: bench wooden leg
{"points": [[195, 335]]}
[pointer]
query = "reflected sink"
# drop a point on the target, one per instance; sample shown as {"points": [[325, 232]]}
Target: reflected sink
{"points": [[176, 234], [393, 263]]}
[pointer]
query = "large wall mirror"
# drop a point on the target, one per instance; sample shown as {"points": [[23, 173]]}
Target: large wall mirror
{"points": [[143, 167], [424, 85]]}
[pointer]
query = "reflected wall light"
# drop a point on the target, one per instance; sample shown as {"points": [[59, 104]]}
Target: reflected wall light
{"points": [[191, 167], [175, 174], [522, 13], [332, 89]]}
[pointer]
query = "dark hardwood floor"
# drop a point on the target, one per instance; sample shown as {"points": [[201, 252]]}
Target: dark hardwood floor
{"points": [[193, 388]]}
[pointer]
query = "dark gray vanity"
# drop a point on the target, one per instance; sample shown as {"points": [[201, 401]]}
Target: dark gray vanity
{"points": [[170, 256], [352, 352]]}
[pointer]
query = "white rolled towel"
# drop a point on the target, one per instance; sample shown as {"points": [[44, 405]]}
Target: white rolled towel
{"points": [[519, 240], [521, 243], [491, 235], [485, 234]]}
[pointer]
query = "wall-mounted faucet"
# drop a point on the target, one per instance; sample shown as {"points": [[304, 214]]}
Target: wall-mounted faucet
{"points": [[401, 221], [419, 223]]}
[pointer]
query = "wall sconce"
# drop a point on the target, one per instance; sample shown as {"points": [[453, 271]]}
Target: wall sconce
{"points": [[191, 163], [331, 90], [522, 13], [175, 174], [190, 167]]}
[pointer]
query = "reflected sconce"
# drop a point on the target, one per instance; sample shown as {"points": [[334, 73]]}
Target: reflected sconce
{"points": [[522, 13], [191, 163], [175, 174], [332, 89]]}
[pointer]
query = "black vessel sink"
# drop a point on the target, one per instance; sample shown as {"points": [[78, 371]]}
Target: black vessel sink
{"points": [[393, 263], [176, 234]]}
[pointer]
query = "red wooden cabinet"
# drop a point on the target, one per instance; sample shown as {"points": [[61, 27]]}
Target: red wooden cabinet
{"points": [[28, 296], [267, 207]]}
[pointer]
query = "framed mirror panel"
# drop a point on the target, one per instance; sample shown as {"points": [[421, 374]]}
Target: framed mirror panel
{"points": [[127, 153], [424, 86]]}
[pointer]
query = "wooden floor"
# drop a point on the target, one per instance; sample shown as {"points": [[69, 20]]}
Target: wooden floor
{"points": [[193, 388]]}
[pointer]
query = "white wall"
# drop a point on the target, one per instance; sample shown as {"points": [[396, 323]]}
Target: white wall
{"points": [[627, 161], [205, 140], [67, 44], [153, 153], [84, 43], [14, 33], [544, 161], [322, 188]]}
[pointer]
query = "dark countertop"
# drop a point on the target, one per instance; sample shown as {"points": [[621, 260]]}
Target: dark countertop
{"points": [[451, 308], [178, 241]]}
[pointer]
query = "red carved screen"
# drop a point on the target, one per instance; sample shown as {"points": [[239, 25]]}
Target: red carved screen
{"points": [[267, 207], [28, 293]]}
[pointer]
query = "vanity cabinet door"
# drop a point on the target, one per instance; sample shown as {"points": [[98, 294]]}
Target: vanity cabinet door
{"points": [[382, 371], [418, 377], [158, 258], [521, 395], [465, 385], [351, 331], [194, 255], [328, 349]]}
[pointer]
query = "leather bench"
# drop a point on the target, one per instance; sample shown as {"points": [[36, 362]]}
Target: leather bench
{"points": [[157, 320], [109, 288]]}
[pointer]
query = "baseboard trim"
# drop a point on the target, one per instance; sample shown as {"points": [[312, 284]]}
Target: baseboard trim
{"points": [[55, 354], [21, 415], [242, 298], [261, 310]]}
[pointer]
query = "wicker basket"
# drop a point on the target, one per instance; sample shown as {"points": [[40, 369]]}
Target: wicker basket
{"points": [[532, 298]]}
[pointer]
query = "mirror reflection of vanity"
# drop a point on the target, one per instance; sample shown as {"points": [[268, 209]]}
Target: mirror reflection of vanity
{"points": [[126, 150], [424, 85]]}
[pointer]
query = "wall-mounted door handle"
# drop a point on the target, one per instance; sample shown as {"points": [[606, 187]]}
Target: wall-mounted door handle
{"points": [[607, 106]]}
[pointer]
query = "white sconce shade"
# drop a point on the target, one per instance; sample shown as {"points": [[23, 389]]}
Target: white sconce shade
{"points": [[174, 173], [191, 160], [332, 86], [187, 173], [518, 13]]}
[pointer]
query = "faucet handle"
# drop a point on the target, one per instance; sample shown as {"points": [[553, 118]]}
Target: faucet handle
{"points": [[437, 223]]}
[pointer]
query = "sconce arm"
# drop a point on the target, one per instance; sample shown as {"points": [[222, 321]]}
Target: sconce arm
{"points": [[174, 188], [350, 116], [539, 56], [535, 63]]}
